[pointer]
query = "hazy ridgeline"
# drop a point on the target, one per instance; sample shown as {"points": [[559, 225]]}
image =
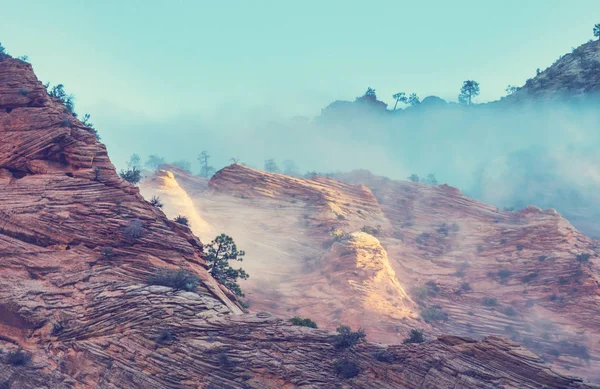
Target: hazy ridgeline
{"points": [[509, 155]]}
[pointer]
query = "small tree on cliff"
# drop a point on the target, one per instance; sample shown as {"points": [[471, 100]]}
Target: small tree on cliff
{"points": [[597, 31], [154, 161], [133, 175], [219, 252], [3, 53]]}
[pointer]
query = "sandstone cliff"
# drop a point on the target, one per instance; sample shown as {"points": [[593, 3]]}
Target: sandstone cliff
{"points": [[436, 259], [76, 310]]}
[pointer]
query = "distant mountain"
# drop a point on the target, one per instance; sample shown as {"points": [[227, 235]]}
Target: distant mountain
{"points": [[573, 76]]}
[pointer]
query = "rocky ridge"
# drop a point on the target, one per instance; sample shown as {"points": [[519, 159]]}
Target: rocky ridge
{"points": [[76, 310], [456, 265]]}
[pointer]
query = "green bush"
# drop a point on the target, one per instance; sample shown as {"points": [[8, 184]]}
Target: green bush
{"points": [[133, 175], [155, 202], [345, 368], [182, 220], [306, 322], [176, 279], [434, 314], [165, 336], [347, 338], [18, 358], [416, 336]]}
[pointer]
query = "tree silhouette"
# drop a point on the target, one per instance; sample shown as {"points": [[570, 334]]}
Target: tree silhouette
{"points": [[399, 97], [597, 31], [154, 161], [290, 168], [511, 89], [134, 162], [271, 166], [413, 178], [469, 90], [413, 99], [205, 169]]}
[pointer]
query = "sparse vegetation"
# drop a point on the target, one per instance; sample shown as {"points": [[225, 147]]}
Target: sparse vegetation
{"points": [[133, 175], [18, 357], [306, 322], [271, 166], [384, 356], [504, 274], [107, 252], [183, 164], [468, 91], [182, 220], [510, 311], [3, 53], [68, 100], [597, 30], [529, 277], [224, 360], [346, 338], [165, 336], [375, 231], [205, 169], [155, 202], [345, 368], [465, 287], [154, 161], [177, 279], [489, 301], [86, 122], [413, 178], [220, 252], [430, 180], [416, 336], [434, 314], [134, 230], [583, 257]]}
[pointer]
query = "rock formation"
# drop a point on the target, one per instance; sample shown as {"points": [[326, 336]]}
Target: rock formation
{"points": [[77, 245], [437, 260]]}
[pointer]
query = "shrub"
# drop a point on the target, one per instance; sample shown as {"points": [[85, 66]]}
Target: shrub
{"points": [[416, 336], [345, 368], [465, 286], [306, 322], [384, 356], [520, 247], [583, 257], [433, 314], [96, 173], [375, 231], [155, 202], [432, 288], [510, 311], [347, 338], [529, 277], [176, 279], [165, 336], [107, 252], [58, 327], [489, 301], [182, 220], [132, 175], [504, 273], [18, 358], [134, 230], [224, 361]]}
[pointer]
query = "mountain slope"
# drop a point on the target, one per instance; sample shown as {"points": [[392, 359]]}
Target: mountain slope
{"points": [[427, 257], [87, 317]]}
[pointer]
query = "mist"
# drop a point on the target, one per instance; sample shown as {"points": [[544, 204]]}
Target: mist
{"points": [[507, 155]]}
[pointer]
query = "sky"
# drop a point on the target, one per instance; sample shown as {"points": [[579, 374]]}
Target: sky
{"points": [[159, 58]]}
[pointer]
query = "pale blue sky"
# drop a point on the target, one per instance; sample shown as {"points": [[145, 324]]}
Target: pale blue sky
{"points": [[170, 58]]}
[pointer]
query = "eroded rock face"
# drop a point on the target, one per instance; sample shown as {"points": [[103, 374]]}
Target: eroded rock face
{"points": [[76, 315], [445, 263]]}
